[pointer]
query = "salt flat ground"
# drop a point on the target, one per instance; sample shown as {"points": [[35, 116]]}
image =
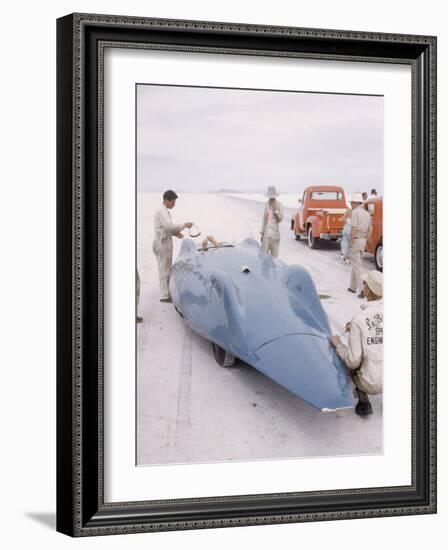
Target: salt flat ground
{"points": [[189, 409]]}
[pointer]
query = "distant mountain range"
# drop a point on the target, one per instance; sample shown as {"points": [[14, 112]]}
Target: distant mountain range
{"points": [[224, 190]]}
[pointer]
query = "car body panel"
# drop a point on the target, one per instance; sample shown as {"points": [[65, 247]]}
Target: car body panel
{"points": [[263, 312], [374, 206]]}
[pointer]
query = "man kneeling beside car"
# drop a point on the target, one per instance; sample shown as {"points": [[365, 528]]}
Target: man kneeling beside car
{"points": [[363, 355]]}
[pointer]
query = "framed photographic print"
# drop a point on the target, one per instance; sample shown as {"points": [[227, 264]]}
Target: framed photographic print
{"points": [[246, 274]]}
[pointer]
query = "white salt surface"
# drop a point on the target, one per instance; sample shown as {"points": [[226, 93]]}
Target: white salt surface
{"points": [[189, 409], [289, 200]]}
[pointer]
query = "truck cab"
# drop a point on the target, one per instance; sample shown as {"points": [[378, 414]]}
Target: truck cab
{"points": [[320, 215]]}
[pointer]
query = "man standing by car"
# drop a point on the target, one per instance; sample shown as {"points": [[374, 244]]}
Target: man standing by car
{"points": [[359, 235], [162, 246], [272, 216], [137, 295], [363, 355]]}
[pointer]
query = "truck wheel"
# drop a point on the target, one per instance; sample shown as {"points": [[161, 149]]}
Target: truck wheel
{"points": [[223, 357], [312, 241], [379, 256]]}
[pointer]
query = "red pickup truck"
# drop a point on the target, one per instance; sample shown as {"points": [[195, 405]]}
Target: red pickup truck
{"points": [[320, 216], [375, 243]]}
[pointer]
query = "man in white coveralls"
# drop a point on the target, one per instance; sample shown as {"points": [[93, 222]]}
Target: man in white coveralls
{"points": [[162, 246], [272, 216], [137, 293], [359, 235], [364, 353]]}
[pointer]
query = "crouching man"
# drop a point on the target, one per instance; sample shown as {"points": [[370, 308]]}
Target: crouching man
{"points": [[363, 355]]}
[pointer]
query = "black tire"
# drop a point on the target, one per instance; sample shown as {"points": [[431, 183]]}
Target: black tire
{"points": [[379, 256], [223, 358], [312, 241]]}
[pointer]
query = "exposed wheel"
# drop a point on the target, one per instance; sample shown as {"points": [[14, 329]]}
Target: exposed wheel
{"points": [[223, 357], [312, 241], [379, 256]]}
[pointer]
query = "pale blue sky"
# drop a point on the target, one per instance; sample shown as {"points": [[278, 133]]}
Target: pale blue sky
{"points": [[202, 139]]}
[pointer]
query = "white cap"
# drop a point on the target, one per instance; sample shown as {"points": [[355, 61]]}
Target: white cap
{"points": [[356, 197], [271, 192], [374, 280]]}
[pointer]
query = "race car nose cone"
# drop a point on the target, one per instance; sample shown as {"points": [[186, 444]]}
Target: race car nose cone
{"points": [[308, 366]]}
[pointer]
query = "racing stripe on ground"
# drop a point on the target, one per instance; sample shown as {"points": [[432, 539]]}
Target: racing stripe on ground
{"points": [[183, 419]]}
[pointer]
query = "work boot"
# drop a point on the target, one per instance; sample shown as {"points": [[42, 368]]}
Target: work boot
{"points": [[351, 290], [363, 408]]}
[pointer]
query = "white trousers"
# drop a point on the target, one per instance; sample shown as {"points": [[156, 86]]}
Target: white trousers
{"points": [[164, 256], [271, 246], [137, 286], [355, 256]]}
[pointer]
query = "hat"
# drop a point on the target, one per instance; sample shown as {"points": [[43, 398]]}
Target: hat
{"points": [[374, 280], [356, 197], [271, 192]]}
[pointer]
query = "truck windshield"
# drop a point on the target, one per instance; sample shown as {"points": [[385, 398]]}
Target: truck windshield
{"points": [[326, 196]]}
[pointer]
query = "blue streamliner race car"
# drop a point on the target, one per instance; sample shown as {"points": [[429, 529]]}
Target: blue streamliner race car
{"points": [[263, 312]]}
